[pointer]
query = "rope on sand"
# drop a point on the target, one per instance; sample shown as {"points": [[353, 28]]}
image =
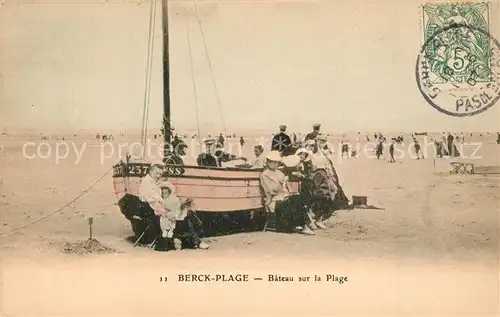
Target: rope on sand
{"points": [[61, 208]]}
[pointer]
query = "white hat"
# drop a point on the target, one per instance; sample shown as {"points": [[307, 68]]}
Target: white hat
{"points": [[274, 156], [209, 141], [302, 150], [291, 160], [309, 142], [321, 137], [168, 185]]}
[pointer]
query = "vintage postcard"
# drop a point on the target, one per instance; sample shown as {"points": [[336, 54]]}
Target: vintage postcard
{"points": [[249, 158]]}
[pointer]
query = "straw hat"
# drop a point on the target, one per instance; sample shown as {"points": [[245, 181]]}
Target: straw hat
{"points": [[302, 150], [209, 141], [274, 156], [321, 137], [309, 142], [291, 160]]}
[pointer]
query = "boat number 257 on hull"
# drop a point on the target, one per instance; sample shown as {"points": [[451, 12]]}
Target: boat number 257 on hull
{"points": [[141, 169]]}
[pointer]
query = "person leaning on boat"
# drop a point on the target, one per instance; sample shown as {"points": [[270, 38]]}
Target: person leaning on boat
{"points": [[273, 183], [213, 157]]}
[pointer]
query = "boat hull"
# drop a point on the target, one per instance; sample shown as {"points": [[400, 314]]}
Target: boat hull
{"points": [[212, 189]]}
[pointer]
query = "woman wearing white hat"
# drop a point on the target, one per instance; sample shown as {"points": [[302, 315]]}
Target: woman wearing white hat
{"points": [[273, 183]]}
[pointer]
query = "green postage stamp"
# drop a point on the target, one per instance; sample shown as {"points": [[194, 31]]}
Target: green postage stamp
{"points": [[458, 67], [462, 54]]}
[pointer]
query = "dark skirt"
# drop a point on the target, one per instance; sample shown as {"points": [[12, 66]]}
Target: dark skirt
{"points": [[289, 214]]}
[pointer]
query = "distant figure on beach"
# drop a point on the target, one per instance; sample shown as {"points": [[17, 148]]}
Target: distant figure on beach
{"points": [[281, 141], [440, 148], [242, 141], [379, 150], [452, 149], [221, 139], [345, 149], [418, 151], [314, 133], [391, 151], [498, 137]]}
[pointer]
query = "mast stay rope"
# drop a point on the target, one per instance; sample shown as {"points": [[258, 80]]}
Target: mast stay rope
{"points": [[149, 66], [210, 65], [195, 95]]}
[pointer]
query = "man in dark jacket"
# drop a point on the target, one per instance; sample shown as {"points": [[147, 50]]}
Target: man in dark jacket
{"points": [[175, 158], [281, 141], [315, 133], [214, 155]]}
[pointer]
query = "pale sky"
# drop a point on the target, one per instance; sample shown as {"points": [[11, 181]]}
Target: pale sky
{"points": [[348, 65]]}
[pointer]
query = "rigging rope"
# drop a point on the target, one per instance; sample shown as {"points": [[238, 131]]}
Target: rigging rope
{"points": [[147, 88], [210, 65], [195, 95], [60, 209], [150, 69]]}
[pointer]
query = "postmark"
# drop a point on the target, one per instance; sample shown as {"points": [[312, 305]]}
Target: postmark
{"points": [[458, 67]]}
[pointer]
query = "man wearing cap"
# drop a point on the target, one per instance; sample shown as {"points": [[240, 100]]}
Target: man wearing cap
{"points": [[213, 157], [315, 133], [208, 158], [175, 157], [281, 141]]}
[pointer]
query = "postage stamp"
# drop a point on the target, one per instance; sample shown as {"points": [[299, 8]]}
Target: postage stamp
{"points": [[458, 67]]}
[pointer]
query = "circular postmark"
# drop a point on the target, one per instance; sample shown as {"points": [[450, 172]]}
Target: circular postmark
{"points": [[458, 70]]}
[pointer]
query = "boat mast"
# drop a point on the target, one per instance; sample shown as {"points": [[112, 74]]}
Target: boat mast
{"points": [[167, 137]]}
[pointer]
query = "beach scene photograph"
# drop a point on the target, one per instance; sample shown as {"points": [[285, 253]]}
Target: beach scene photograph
{"points": [[285, 158]]}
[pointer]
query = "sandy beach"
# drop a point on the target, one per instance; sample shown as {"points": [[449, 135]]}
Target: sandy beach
{"points": [[432, 250]]}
